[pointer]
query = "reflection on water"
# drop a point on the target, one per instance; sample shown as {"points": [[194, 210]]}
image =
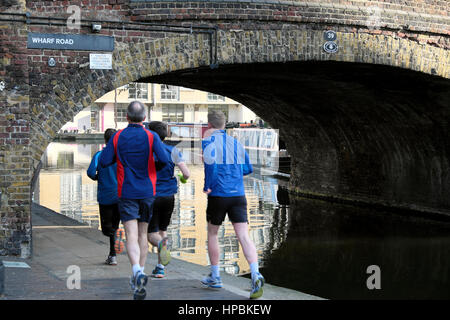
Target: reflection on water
{"points": [[329, 247], [313, 246]]}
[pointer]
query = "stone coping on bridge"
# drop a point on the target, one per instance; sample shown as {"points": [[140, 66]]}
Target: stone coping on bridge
{"points": [[384, 6], [372, 15]]}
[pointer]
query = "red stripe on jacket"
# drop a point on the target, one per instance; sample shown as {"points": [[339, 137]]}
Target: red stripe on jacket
{"points": [[120, 171], [151, 162]]}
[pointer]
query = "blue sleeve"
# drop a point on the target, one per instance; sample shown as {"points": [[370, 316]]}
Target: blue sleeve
{"points": [[159, 150], [210, 163], [108, 156], [176, 155], [92, 170], [247, 166]]}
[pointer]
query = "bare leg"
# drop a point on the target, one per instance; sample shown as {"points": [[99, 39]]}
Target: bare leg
{"points": [[247, 244], [163, 234], [132, 244], [154, 238], [143, 244], [213, 244]]}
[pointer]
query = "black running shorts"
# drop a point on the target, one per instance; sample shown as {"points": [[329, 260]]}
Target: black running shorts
{"points": [[218, 207], [162, 212], [109, 218]]}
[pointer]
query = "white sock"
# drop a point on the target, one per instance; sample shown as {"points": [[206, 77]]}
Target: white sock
{"points": [[159, 265], [215, 271], [254, 268], [142, 269], [136, 268]]}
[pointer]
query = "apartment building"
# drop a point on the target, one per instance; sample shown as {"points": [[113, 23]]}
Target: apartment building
{"points": [[163, 102]]}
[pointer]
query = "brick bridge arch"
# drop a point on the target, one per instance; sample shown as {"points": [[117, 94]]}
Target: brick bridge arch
{"points": [[367, 123]]}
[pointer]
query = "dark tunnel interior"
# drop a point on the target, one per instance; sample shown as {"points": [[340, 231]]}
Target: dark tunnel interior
{"points": [[361, 132]]}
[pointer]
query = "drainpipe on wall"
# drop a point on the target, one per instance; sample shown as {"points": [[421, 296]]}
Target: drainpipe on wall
{"points": [[2, 267], [115, 108], [2, 278], [153, 101]]}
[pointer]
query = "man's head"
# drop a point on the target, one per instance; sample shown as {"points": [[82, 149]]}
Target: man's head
{"points": [[136, 112], [160, 128], [216, 120], [108, 134]]}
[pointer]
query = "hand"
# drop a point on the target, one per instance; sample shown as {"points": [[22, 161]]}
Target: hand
{"points": [[208, 191], [182, 179]]}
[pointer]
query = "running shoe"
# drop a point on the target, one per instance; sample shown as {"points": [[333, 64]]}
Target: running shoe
{"points": [[132, 283], [212, 282], [257, 286], [158, 272], [119, 244], [139, 283], [112, 261], [163, 252]]}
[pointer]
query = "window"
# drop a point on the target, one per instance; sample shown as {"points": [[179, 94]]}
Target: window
{"points": [[173, 112], [94, 119], [121, 112], [169, 92], [219, 107], [137, 91], [215, 97], [187, 243]]}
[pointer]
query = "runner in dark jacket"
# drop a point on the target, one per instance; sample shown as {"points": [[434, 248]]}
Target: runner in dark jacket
{"points": [[108, 202]]}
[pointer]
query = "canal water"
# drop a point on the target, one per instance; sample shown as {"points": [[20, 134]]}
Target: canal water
{"points": [[320, 248]]}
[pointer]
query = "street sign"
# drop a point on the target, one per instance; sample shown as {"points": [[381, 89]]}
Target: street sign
{"points": [[70, 42], [100, 61], [329, 35], [330, 47]]}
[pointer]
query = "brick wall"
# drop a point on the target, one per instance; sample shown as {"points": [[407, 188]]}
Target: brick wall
{"points": [[15, 165]]}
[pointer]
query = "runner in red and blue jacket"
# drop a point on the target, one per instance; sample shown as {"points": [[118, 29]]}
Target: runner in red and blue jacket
{"points": [[132, 148]]}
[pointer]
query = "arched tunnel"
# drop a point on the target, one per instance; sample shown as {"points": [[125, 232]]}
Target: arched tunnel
{"points": [[356, 132]]}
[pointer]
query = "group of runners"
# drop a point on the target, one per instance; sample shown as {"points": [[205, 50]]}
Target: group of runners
{"points": [[137, 185]]}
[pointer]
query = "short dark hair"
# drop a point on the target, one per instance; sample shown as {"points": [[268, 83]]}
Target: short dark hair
{"points": [[136, 111], [108, 134], [217, 119], [160, 128]]}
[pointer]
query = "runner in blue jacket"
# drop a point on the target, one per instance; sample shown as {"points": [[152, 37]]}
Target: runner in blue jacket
{"points": [[166, 188], [108, 202], [226, 162]]}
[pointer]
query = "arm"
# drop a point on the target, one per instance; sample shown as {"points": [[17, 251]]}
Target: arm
{"points": [[184, 170], [108, 156], [177, 158], [209, 164], [247, 167], [161, 156], [158, 165], [92, 170]]}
